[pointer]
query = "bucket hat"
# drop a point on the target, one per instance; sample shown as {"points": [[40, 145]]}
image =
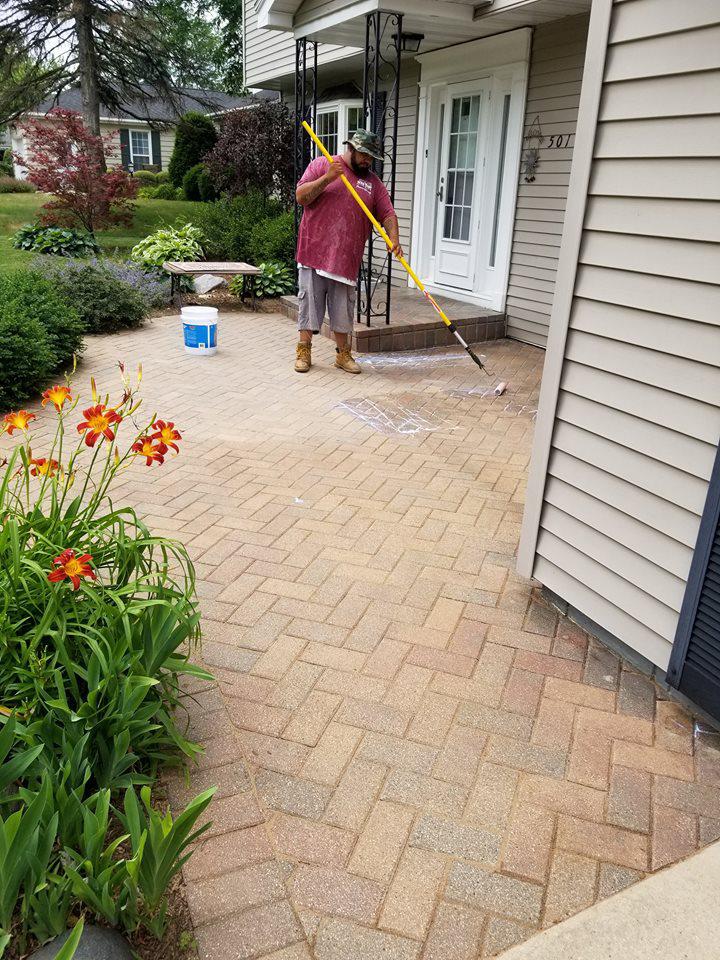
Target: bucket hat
{"points": [[365, 141]]}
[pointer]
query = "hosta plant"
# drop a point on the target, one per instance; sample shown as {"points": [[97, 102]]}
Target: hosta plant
{"points": [[169, 243], [57, 241], [276, 280]]}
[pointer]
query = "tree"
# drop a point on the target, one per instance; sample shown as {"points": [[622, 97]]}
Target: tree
{"points": [[255, 151], [122, 53], [213, 35], [67, 161], [195, 136]]}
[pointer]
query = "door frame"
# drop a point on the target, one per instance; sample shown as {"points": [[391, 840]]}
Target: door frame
{"points": [[504, 61]]}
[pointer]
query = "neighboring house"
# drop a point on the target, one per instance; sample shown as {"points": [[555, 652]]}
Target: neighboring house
{"points": [[143, 134], [558, 160]]}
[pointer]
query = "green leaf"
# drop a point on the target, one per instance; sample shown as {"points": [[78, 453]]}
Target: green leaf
{"points": [[68, 949]]}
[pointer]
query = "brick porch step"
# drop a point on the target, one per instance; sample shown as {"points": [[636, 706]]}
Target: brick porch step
{"points": [[415, 326]]}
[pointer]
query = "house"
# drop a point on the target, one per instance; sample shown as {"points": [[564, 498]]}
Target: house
{"points": [[557, 161], [143, 133]]}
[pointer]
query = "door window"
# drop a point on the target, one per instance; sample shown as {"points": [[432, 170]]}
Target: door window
{"points": [[464, 119]]}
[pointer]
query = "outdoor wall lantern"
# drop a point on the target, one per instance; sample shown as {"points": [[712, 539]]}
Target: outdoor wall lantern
{"points": [[409, 42]]}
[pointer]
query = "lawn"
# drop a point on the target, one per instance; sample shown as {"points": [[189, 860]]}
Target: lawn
{"points": [[19, 208]]}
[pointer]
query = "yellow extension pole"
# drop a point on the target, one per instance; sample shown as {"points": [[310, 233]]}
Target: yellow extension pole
{"points": [[383, 233]]}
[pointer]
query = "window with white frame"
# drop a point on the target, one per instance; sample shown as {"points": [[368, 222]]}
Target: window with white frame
{"points": [[140, 150], [337, 122]]}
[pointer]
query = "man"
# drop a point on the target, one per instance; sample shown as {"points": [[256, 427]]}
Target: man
{"points": [[331, 240]]}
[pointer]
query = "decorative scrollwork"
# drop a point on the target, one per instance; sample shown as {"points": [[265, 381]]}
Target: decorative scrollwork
{"points": [[305, 106], [381, 101]]}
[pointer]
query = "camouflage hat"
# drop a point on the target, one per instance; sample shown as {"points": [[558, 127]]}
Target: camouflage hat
{"points": [[366, 142]]}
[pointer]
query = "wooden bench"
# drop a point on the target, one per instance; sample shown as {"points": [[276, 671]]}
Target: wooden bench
{"points": [[190, 268]]}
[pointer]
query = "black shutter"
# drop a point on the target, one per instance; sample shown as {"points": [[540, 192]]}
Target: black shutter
{"points": [[695, 661], [125, 148], [156, 154]]}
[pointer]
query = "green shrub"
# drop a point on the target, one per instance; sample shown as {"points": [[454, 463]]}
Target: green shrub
{"points": [[58, 241], [147, 176], [195, 136], [273, 239], [11, 185], [276, 280], [104, 301], [41, 299], [26, 357], [166, 191], [228, 224], [169, 243], [6, 164], [191, 182], [206, 186]]}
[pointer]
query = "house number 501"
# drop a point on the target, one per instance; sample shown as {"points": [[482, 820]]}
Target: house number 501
{"points": [[562, 140]]}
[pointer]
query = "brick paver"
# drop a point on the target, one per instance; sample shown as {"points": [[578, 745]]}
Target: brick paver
{"points": [[416, 756]]}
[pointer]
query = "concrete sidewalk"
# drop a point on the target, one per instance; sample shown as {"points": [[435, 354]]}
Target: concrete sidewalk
{"points": [[673, 915]]}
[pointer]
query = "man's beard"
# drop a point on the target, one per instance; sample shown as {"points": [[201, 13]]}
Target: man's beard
{"points": [[360, 171]]}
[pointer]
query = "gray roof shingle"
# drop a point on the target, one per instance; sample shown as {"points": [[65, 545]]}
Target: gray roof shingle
{"points": [[157, 109]]}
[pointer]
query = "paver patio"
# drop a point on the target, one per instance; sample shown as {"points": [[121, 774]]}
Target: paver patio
{"points": [[416, 757]]}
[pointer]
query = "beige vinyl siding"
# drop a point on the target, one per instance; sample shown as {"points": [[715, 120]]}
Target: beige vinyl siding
{"points": [[405, 160], [270, 54], [555, 77], [638, 414], [167, 143]]}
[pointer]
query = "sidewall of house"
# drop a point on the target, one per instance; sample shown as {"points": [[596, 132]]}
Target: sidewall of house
{"points": [[553, 97]]}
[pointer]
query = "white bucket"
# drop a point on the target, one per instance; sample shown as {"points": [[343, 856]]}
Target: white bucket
{"points": [[200, 329]]}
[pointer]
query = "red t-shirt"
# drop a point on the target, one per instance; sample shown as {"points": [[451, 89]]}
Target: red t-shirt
{"points": [[334, 230]]}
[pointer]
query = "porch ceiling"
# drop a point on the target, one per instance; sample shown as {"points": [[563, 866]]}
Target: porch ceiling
{"points": [[443, 22]]}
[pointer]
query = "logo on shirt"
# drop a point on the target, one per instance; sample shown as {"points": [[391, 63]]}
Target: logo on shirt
{"points": [[365, 185]]}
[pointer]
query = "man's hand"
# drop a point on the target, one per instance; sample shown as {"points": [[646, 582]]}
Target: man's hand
{"points": [[397, 249], [308, 192], [334, 171]]}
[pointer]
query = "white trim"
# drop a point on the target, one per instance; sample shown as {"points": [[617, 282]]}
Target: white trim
{"points": [[269, 19], [149, 154], [436, 11], [341, 107], [122, 120], [504, 61], [588, 110], [496, 51]]}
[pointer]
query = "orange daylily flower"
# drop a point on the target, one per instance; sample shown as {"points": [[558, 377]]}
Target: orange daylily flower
{"points": [[98, 422], [57, 396], [40, 467], [166, 433], [19, 420], [153, 452], [72, 568]]}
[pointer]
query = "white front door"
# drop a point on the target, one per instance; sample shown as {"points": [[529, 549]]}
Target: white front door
{"points": [[459, 190]]}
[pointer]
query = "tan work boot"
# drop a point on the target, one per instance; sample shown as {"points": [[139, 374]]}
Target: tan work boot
{"points": [[344, 360], [304, 357]]}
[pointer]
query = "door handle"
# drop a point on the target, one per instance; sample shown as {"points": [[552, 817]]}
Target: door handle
{"points": [[439, 193]]}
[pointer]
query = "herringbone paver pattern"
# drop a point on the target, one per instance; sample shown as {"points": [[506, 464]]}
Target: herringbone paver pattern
{"points": [[416, 757]]}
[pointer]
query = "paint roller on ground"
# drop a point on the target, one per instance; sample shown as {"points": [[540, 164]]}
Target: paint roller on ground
{"points": [[411, 273]]}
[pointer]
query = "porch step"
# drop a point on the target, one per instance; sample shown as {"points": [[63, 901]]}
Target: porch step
{"points": [[414, 325]]}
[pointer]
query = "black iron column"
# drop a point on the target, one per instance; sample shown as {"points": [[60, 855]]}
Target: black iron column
{"points": [[381, 101], [305, 107]]}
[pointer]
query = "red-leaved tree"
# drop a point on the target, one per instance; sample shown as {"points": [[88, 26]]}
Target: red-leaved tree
{"points": [[69, 162]]}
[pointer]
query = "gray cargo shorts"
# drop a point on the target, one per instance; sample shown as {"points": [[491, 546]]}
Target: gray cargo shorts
{"points": [[315, 293]]}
